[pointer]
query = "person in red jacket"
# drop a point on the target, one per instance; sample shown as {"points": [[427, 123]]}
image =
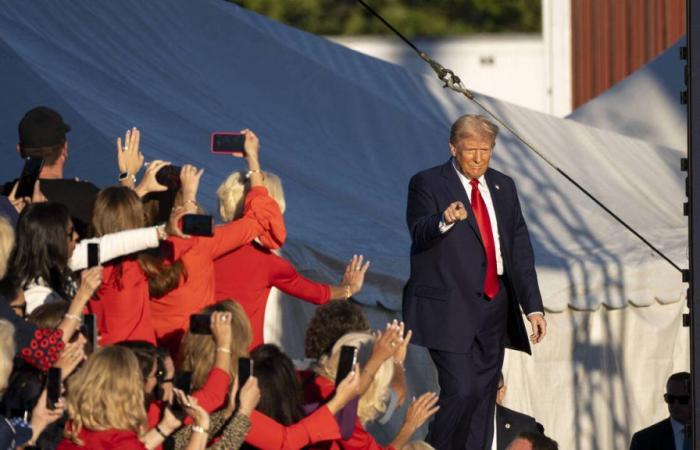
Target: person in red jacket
{"points": [[249, 272], [194, 288], [106, 403], [121, 303]]}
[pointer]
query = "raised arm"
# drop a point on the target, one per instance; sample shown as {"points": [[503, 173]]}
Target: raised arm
{"points": [[114, 245]]}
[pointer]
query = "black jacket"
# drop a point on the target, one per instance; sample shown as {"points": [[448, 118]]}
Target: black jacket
{"points": [[656, 437], [510, 423]]}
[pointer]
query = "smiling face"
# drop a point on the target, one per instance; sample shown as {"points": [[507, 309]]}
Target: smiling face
{"points": [[473, 154]]}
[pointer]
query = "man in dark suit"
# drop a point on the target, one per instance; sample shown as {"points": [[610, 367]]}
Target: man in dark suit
{"points": [[472, 268], [510, 423], [671, 433]]}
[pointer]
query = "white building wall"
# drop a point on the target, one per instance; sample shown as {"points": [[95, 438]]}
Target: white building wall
{"points": [[531, 70]]}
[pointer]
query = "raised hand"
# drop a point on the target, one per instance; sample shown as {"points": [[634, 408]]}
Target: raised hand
{"points": [[149, 183], [402, 346], [90, 280], [419, 411], [250, 396], [129, 157], [221, 329], [354, 276], [71, 356], [386, 344], [189, 177], [348, 389], [251, 145], [454, 213]]}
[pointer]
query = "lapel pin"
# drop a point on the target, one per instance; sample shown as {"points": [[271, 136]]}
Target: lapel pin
{"points": [[498, 188], [507, 426]]}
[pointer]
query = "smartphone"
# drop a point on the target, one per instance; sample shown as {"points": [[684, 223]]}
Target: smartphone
{"points": [[30, 173], [346, 362], [89, 330], [228, 142], [93, 250], [183, 382], [245, 371], [347, 416], [200, 324], [198, 225], [53, 387], [169, 176]]}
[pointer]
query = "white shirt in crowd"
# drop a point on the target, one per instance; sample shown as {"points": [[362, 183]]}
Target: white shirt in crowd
{"points": [[111, 246]]}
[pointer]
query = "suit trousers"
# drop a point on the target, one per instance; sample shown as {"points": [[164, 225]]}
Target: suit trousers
{"points": [[468, 383]]}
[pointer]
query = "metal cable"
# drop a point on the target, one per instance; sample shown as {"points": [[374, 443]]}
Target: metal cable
{"points": [[454, 83]]}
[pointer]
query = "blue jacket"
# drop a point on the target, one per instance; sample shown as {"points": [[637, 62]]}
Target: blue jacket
{"points": [[443, 299]]}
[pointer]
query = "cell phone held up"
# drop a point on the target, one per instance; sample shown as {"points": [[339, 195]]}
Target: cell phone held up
{"points": [[198, 225], [53, 387], [200, 324], [30, 173], [346, 362], [93, 254], [89, 330], [183, 382], [228, 143], [245, 371]]}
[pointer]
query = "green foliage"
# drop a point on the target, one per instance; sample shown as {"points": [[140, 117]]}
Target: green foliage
{"points": [[410, 17]]}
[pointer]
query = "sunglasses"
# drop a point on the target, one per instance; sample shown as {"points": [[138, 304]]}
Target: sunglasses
{"points": [[681, 399]]}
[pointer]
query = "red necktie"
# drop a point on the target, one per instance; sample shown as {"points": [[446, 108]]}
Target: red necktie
{"points": [[481, 214]]}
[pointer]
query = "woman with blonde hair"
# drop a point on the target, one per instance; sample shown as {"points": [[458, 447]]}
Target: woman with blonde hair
{"points": [[106, 402], [249, 272], [199, 351], [374, 398]]}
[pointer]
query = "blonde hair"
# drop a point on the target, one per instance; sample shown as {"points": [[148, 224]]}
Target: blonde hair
{"points": [[7, 351], [7, 241], [374, 401], [233, 190], [198, 351], [107, 393]]}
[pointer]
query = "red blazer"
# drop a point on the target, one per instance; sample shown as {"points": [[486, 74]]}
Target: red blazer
{"points": [[104, 440], [262, 219], [247, 274], [265, 433], [121, 304], [321, 390]]}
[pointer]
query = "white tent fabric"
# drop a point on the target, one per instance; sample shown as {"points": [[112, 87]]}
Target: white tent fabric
{"points": [[345, 132], [645, 105]]}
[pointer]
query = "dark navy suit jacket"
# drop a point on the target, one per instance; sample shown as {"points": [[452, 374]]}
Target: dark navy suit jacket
{"points": [[656, 437], [443, 299]]}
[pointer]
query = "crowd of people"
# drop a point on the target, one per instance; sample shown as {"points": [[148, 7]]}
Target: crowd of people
{"points": [[132, 373]]}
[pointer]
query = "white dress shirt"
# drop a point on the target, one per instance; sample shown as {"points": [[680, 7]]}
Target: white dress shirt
{"points": [[486, 195], [678, 433]]}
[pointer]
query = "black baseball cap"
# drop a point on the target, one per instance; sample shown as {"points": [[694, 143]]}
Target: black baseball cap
{"points": [[42, 127]]}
